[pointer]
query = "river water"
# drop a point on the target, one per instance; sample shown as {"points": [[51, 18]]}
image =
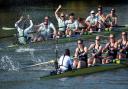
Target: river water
{"points": [[14, 73]]}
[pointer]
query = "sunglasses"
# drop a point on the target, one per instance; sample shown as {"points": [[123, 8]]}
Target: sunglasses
{"points": [[62, 16]]}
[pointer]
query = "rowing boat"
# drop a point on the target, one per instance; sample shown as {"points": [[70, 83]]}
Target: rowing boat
{"points": [[104, 34], [87, 71]]}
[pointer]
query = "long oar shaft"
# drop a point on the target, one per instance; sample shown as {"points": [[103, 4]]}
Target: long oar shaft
{"points": [[38, 64]]}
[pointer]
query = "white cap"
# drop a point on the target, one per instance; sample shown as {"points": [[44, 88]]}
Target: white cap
{"points": [[92, 11]]}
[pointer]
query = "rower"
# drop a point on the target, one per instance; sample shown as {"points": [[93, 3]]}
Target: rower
{"points": [[72, 26], [61, 22], [80, 56], [101, 19], [96, 56], [65, 62], [45, 30], [111, 19], [91, 22], [111, 49], [123, 46], [23, 29], [81, 25]]}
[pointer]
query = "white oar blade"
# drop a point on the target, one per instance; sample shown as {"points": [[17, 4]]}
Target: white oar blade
{"points": [[7, 28], [126, 25]]}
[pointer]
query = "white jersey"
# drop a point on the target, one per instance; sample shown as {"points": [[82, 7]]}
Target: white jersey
{"points": [[64, 62], [23, 32], [92, 20], [47, 28], [61, 24], [72, 25]]}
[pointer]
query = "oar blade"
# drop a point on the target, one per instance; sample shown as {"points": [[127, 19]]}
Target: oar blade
{"points": [[7, 28]]}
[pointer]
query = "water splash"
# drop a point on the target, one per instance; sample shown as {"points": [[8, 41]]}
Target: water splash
{"points": [[7, 64]]}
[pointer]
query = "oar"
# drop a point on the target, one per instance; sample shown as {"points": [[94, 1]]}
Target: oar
{"points": [[38, 64], [7, 28], [100, 35], [56, 50], [121, 25]]}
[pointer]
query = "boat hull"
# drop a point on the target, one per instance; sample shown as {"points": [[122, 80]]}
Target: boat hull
{"points": [[86, 71]]}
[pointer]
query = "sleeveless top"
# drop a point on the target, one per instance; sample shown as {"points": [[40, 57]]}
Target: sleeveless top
{"points": [[61, 24], [111, 19], [81, 56], [122, 46], [94, 50], [112, 51]]}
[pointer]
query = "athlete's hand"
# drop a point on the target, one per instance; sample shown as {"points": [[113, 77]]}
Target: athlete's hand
{"points": [[59, 6], [21, 18]]}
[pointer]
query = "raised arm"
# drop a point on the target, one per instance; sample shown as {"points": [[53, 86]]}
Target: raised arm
{"points": [[56, 12], [31, 25], [30, 21], [16, 24]]}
